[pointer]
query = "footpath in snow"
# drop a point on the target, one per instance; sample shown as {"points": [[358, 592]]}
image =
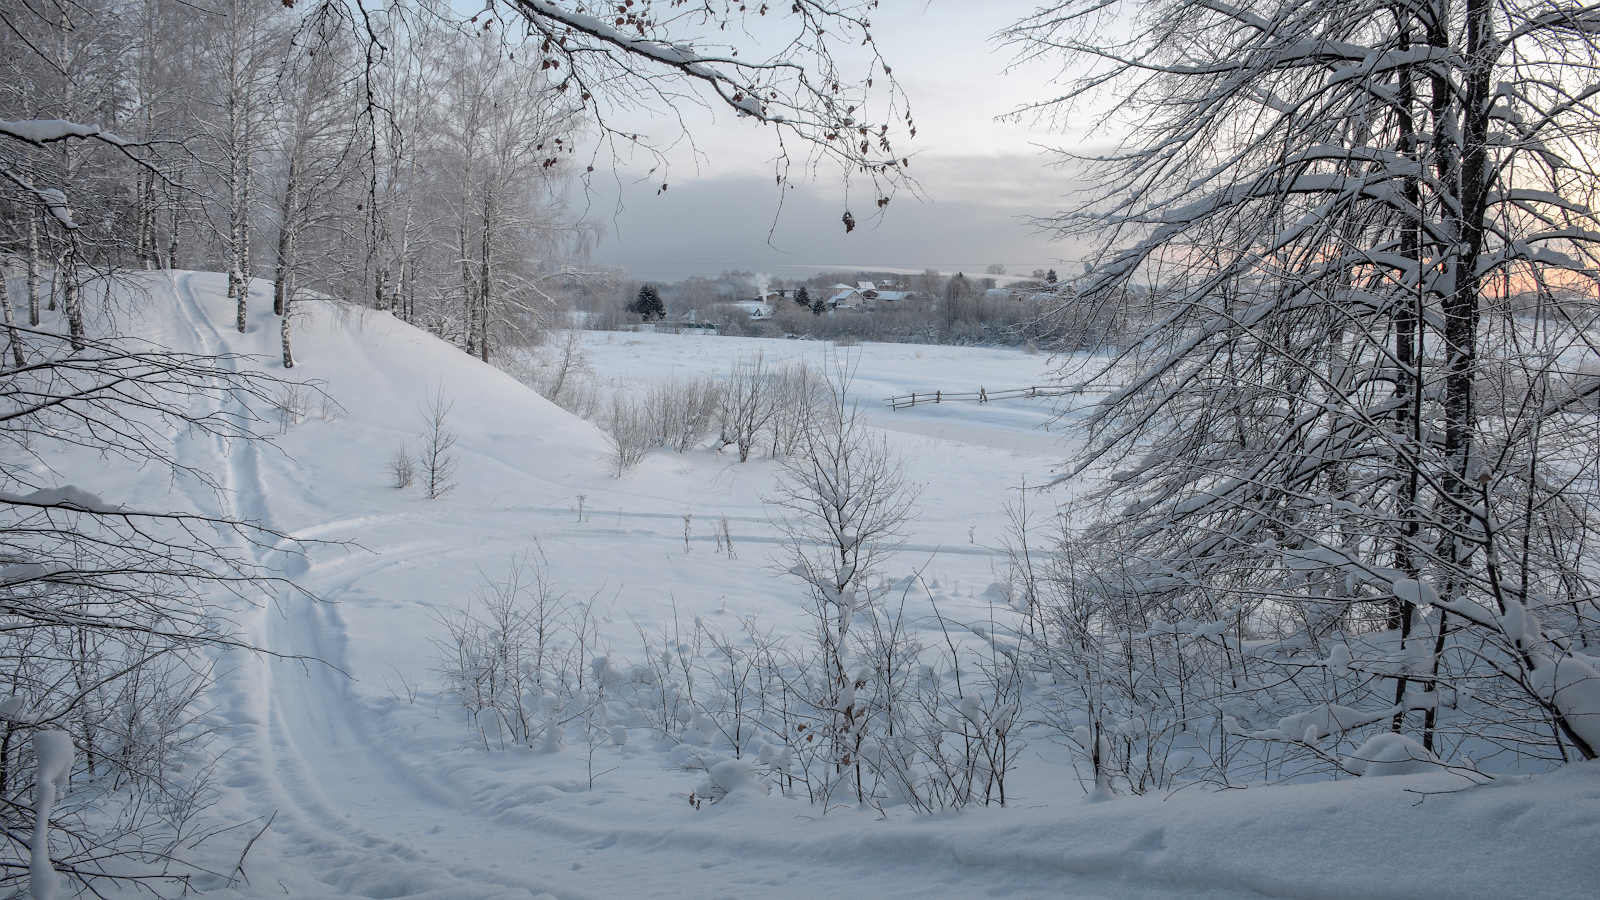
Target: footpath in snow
{"points": [[375, 788]]}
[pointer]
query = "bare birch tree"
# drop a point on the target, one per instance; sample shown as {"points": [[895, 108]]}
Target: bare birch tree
{"points": [[503, 140], [317, 147], [842, 503], [240, 52]]}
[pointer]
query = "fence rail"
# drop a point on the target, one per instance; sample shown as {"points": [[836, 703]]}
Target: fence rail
{"points": [[981, 395]]}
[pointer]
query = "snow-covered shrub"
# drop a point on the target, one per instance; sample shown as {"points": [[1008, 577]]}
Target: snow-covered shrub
{"points": [[292, 403], [978, 698], [130, 705], [720, 697], [777, 405], [924, 727], [402, 470], [663, 682], [747, 404], [800, 396], [916, 726], [935, 726], [523, 660], [1151, 693], [726, 777], [329, 409], [1107, 683], [560, 372], [681, 412], [627, 428], [755, 404], [841, 504]]}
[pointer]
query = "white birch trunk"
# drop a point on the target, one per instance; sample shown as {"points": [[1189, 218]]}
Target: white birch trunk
{"points": [[33, 267], [5, 306]]}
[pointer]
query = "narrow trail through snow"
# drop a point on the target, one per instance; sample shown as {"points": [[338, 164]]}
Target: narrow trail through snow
{"points": [[369, 795], [362, 817]]}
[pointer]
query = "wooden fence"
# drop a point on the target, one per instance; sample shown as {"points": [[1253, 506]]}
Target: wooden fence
{"points": [[981, 395]]}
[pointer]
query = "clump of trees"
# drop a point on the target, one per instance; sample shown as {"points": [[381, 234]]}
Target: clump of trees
{"points": [[1348, 511], [755, 406], [524, 661], [929, 308]]}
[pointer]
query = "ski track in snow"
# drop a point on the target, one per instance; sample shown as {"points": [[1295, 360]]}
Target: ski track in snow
{"points": [[357, 811], [364, 820], [374, 823]]}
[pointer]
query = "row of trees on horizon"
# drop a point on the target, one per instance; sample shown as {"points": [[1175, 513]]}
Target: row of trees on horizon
{"points": [[1040, 310]]}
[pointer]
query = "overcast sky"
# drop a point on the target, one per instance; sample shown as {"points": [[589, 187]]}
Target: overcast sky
{"points": [[981, 179]]}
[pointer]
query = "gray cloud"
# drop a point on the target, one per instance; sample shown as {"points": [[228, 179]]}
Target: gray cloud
{"points": [[976, 213]]}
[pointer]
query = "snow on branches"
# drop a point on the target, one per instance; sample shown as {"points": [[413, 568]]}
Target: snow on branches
{"points": [[1361, 416]]}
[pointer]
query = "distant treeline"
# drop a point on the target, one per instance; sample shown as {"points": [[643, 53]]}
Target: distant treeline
{"points": [[928, 307]]}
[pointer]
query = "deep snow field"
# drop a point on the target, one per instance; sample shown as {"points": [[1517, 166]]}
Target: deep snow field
{"points": [[375, 787]]}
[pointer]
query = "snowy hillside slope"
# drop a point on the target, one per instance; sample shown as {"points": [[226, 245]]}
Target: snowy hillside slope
{"points": [[375, 789]]}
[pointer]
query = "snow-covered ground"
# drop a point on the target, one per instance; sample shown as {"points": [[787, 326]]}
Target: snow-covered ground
{"points": [[375, 788]]}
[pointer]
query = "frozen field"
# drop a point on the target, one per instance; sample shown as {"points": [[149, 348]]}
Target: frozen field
{"points": [[375, 788]]}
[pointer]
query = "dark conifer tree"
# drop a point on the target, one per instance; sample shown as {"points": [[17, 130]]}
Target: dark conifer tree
{"points": [[648, 304]]}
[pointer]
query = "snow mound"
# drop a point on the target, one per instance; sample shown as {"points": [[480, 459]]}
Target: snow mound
{"points": [[369, 374]]}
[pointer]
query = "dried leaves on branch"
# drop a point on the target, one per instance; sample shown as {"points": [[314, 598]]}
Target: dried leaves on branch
{"points": [[810, 69]]}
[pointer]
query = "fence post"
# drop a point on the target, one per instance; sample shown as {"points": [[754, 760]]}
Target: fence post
{"points": [[937, 396]]}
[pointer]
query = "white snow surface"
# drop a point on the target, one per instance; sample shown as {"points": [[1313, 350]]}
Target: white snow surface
{"points": [[375, 789]]}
